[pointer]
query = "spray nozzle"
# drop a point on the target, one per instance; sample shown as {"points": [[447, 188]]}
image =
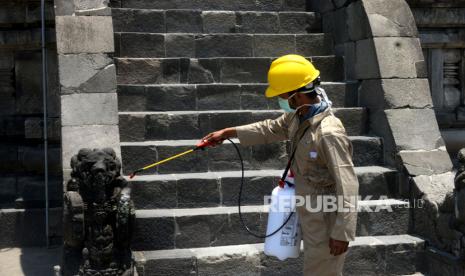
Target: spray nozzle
{"points": [[203, 144]]}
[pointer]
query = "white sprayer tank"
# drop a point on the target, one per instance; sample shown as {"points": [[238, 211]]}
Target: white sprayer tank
{"points": [[286, 242]]}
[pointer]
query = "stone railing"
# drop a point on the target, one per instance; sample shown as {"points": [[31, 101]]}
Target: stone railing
{"points": [[383, 55]]}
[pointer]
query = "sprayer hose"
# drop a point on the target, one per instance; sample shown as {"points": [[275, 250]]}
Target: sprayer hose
{"points": [[239, 203]]}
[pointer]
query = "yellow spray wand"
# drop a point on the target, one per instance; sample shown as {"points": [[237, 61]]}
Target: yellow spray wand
{"points": [[200, 145]]}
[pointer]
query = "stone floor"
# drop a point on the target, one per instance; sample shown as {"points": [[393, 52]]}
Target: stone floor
{"points": [[32, 261]]}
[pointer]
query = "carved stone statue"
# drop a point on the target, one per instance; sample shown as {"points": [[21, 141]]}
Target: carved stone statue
{"points": [[98, 214]]}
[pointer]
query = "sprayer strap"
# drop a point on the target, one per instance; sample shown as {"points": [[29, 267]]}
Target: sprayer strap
{"points": [[283, 178]]}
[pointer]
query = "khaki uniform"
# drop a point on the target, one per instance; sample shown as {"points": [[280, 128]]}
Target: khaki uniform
{"points": [[322, 166]]}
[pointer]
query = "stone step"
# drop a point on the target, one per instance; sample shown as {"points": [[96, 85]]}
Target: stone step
{"points": [[378, 255], [26, 227], [184, 97], [156, 45], [212, 70], [368, 151], [217, 226], [212, 5], [201, 21], [215, 189], [28, 191], [24, 158], [142, 126]]}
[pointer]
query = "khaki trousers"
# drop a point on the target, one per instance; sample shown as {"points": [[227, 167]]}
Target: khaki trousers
{"points": [[316, 229]]}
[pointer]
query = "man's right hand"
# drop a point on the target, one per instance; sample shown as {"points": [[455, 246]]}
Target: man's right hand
{"points": [[217, 137]]}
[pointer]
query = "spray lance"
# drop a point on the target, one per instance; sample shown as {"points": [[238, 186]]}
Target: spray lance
{"points": [[287, 243]]}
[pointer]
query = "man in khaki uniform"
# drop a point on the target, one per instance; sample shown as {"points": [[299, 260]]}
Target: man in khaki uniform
{"points": [[322, 164]]}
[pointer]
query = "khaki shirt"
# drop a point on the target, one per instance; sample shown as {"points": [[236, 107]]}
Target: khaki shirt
{"points": [[323, 160]]}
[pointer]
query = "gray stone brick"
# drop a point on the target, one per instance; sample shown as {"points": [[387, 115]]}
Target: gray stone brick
{"points": [[291, 22], [154, 194], [253, 97], [201, 71], [387, 57], [7, 189], [194, 162], [219, 21], [184, 21], [131, 98], [177, 126], [273, 45], [193, 193], [412, 129], [142, 45], [426, 162], [138, 20], [254, 190], [179, 45], [33, 128], [298, 5], [314, 45], [89, 136], [89, 109], [170, 98], [147, 71], [221, 97], [147, 234], [223, 45], [87, 73], [257, 22], [133, 127], [97, 30], [241, 70], [395, 93]]}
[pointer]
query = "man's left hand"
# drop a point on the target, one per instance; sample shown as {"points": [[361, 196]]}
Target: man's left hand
{"points": [[337, 247]]}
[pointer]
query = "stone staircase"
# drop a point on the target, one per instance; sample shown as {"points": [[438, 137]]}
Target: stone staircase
{"points": [[186, 68]]}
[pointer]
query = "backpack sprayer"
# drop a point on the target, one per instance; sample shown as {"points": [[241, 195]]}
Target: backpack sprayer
{"points": [[287, 243]]}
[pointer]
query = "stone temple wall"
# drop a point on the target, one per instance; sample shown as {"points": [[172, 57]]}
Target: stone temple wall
{"points": [[21, 108], [87, 77], [384, 57], [441, 29]]}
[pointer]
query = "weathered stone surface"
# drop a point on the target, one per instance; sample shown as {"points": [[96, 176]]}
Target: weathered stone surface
{"points": [[380, 19], [257, 22], [138, 20], [225, 97], [218, 21], [223, 46], [170, 98], [89, 109], [395, 93], [148, 236], [142, 45], [412, 129], [34, 127], [90, 4], [105, 11], [387, 57], [84, 34], [154, 194], [88, 136], [314, 45], [184, 21], [335, 22], [321, 6], [86, 73], [147, 71], [189, 199], [439, 17], [426, 162], [179, 45], [7, 189], [299, 22], [273, 45], [437, 189]]}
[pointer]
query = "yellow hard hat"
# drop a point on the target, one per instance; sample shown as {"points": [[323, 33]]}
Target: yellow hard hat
{"points": [[289, 73]]}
